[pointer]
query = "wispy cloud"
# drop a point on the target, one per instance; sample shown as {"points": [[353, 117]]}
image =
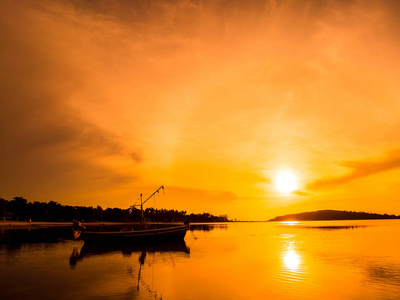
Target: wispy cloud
{"points": [[359, 169], [302, 193]]}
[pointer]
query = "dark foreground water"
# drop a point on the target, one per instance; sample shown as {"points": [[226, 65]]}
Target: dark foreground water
{"points": [[305, 260]]}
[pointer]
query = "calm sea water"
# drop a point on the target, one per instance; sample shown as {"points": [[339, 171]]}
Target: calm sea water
{"points": [[305, 260]]}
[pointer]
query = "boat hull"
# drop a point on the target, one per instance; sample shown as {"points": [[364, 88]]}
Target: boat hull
{"points": [[135, 237]]}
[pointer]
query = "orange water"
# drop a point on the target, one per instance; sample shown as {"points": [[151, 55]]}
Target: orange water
{"points": [[306, 260]]}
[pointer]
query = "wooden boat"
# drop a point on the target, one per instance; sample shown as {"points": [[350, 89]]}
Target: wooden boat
{"points": [[138, 237], [146, 236]]}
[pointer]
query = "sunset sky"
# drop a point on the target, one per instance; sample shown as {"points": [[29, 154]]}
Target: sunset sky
{"points": [[104, 100]]}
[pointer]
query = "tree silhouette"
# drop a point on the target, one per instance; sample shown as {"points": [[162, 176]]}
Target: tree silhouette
{"points": [[20, 209]]}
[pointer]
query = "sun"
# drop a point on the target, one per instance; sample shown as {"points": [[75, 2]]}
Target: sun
{"points": [[285, 182]]}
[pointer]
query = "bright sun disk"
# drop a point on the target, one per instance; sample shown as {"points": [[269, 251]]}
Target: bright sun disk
{"points": [[285, 182]]}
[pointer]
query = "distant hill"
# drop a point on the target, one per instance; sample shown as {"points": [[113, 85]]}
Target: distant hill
{"points": [[321, 215]]}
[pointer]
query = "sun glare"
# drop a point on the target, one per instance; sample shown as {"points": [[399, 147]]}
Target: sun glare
{"points": [[291, 260], [285, 182]]}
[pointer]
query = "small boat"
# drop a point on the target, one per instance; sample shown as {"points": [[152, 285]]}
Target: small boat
{"points": [[145, 236], [138, 237]]}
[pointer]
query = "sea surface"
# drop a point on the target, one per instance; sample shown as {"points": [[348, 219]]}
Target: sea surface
{"points": [[304, 260]]}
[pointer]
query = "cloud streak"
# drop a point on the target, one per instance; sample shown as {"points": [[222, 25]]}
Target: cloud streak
{"points": [[359, 169]]}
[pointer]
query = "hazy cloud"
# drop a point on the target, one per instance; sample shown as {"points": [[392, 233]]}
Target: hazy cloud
{"points": [[46, 144], [206, 197], [302, 193], [359, 169], [116, 96], [197, 200]]}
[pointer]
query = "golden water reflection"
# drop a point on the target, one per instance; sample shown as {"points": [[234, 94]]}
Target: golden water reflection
{"points": [[290, 255], [290, 222], [357, 260], [291, 260]]}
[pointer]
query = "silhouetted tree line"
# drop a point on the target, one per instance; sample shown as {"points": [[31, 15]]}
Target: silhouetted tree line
{"points": [[20, 209], [321, 215]]}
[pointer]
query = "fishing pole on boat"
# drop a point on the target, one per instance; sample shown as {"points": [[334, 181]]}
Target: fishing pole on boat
{"points": [[143, 202], [157, 191]]}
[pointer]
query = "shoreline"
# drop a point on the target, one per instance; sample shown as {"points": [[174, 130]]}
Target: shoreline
{"points": [[13, 225], [41, 225]]}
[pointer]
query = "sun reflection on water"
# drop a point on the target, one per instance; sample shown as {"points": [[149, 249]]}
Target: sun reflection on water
{"points": [[290, 222], [291, 260], [290, 256]]}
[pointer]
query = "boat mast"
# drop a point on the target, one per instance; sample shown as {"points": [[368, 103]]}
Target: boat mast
{"points": [[143, 202]]}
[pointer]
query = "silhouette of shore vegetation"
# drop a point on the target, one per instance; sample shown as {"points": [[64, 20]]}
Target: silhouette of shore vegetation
{"points": [[321, 215], [20, 209]]}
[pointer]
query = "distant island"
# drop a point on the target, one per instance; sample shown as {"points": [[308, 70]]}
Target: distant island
{"points": [[321, 215]]}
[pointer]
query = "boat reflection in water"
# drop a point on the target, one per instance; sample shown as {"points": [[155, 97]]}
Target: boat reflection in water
{"points": [[148, 256], [88, 250]]}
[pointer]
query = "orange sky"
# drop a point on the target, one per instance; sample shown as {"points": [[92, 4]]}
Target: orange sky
{"points": [[104, 100]]}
